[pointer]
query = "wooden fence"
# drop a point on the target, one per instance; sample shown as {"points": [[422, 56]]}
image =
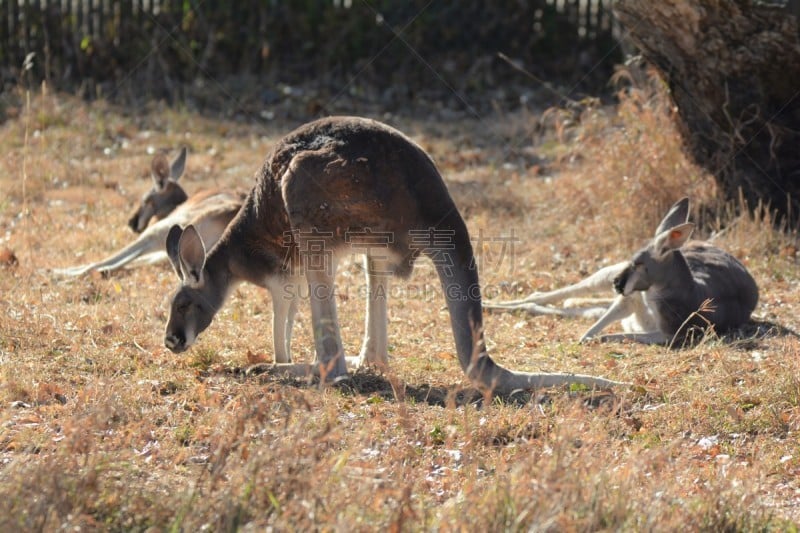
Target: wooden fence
{"points": [[66, 41]]}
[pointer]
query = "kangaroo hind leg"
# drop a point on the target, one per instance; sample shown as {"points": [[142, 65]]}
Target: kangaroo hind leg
{"points": [[540, 303], [375, 349]]}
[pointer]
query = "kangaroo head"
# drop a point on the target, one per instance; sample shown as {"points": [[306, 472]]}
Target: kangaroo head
{"points": [[637, 277], [652, 265], [196, 301], [166, 193]]}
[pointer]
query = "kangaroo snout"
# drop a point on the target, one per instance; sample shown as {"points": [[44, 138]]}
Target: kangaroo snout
{"points": [[133, 223], [175, 342], [622, 279]]}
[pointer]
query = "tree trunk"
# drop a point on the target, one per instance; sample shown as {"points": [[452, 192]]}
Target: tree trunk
{"points": [[733, 70]]}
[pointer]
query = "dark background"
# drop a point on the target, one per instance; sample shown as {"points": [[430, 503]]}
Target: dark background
{"points": [[467, 53]]}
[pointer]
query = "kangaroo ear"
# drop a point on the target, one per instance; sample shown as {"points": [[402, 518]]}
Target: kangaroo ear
{"points": [[673, 238], [159, 170], [178, 165], [677, 214], [192, 254], [173, 239]]}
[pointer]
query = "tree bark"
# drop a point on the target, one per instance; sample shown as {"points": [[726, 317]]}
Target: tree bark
{"points": [[733, 70]]}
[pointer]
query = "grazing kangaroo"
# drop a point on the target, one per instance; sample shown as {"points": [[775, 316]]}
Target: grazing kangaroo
{"points": [[331, 186], [671, 286], [209, 211]]}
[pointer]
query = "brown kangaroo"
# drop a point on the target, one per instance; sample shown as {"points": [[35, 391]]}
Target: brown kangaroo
{"points": [[209, 211], [331, 186], [662, 290]]}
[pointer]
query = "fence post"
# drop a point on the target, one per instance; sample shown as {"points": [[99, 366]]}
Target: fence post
{"points": [[5, 36]]}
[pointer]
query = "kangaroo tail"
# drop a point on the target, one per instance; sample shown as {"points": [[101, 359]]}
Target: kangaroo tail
{"points": [[458, 275]]}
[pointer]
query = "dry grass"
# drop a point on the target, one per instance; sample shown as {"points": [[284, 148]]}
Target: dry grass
{"points": [[103, 428]]}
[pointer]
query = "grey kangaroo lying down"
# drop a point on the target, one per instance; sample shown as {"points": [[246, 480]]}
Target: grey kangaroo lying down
{"points": [[670, 287], [326, 189], [209, 211]]}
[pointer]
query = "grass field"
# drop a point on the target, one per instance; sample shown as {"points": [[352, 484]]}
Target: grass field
{"points": [[102, 428]]}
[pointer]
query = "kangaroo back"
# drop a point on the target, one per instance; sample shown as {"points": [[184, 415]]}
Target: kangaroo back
{"points": [[690, 283], [724, 280], [663, 288], [209, 211], [337, 183]]}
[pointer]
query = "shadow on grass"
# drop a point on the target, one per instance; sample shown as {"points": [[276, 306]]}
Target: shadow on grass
{"points": [[750, 335], [371, 383]]}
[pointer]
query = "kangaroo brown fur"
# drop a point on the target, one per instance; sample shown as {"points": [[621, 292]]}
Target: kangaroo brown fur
{"points": [[324, 189]]}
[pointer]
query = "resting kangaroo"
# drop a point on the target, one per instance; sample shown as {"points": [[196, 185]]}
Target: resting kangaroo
{"points": [[663, 290], [330, 185], [209, 211]]}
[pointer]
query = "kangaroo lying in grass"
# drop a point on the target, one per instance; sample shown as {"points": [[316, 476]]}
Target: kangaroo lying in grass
{"points": [[671, 287], [209, 211], [327, 188]]}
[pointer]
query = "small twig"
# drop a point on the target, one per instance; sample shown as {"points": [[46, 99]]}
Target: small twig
{"points": [[706, 306], [515, 65], [24, 217]]}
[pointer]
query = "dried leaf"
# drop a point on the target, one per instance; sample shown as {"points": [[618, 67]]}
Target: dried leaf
{"points": [[7, 258], [255, 358]]}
